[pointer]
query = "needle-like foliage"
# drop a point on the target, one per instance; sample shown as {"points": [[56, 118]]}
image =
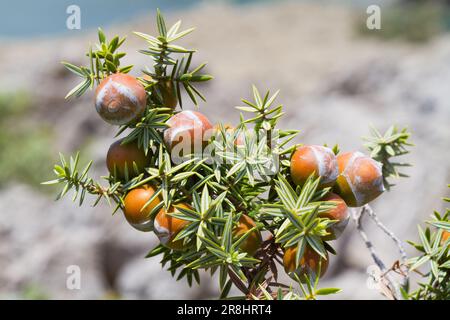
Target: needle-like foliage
{"points": [[246, 175]]}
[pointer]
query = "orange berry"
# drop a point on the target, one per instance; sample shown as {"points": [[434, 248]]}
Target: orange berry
{"points": [[187, 128], [308, 264], [360, 179], [120, 99], [339, 213], [253, 242], [445, 236], [123, 155], [314, 159], [167, 227], [134, 203]]}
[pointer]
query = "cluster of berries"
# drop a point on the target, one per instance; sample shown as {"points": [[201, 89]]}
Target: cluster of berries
{"points": [[355, 179]]}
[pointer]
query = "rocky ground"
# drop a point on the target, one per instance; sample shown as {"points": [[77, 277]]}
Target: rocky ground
{"points": [[333, 84]]}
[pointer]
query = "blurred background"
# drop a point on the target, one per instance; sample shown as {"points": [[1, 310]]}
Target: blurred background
{"points": [[336, 78]]}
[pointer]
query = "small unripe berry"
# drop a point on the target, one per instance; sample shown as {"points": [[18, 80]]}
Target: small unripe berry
{"points": [[253, 242], [314, 159], [167, 227], [360, 179], [124, 155], [120, 99], [134, 211], [308, 264], [187, 128], [339, 213]]}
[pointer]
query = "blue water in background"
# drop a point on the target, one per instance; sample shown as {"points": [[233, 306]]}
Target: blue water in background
{"points": [[28, 18]]}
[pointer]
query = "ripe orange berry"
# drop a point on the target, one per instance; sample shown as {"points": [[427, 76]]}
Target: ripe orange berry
{"points": [[123, 155], [187, 128], [445, 236], [318, 159], [360, 179], [253, 242], [309, 263], [120, 99], [167, 227], [339, 213], [134, 203]]}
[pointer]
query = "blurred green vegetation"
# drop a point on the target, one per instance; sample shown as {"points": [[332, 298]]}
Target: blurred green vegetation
{"points": [[34, 291], [413, 21], [25, 145]]}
